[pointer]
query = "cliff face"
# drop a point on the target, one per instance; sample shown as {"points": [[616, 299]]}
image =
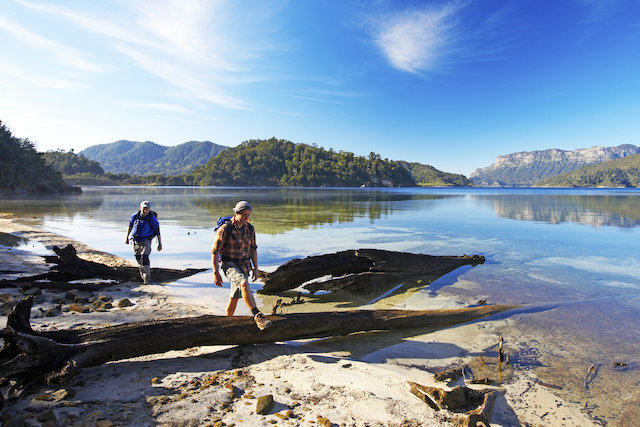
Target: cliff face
{"points": [[529, 167]]}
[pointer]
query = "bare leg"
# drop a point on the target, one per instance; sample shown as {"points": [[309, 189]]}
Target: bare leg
{"points": [[247, 296], [231, 306]]}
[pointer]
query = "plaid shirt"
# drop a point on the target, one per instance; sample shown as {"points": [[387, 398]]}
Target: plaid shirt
{"points": [[233, 242]]}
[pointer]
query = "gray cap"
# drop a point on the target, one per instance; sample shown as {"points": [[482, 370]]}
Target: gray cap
{"points": [[145, 204], [241, 206]]}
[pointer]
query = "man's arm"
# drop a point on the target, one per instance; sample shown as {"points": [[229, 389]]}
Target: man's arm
{"points": [[157, 231], [216, 249], [217, 278], [126, 241]]}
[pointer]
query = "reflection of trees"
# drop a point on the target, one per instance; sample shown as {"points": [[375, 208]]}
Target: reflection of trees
{"points": [[276, 210], [613, 210], [281, 210]]}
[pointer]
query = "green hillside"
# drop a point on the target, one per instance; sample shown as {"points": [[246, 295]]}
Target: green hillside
{"points": [[69, 163], [624, 172], [277, 162], [147, 158], [22, 168], [428, 176]]}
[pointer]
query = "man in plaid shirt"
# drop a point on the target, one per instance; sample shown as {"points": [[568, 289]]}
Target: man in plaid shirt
{"points": [[235, 245]]}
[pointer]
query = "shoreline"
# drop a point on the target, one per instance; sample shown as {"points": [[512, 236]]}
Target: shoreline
{"points": [[355, 380]]}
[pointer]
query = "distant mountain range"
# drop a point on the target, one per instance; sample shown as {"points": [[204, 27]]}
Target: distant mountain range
{"points": [[527, 168], [624, 172], [146, 158]]}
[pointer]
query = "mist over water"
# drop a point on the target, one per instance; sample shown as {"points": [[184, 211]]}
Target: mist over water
{"points": [[572, 256]]}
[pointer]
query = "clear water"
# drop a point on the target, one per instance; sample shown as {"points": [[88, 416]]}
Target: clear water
{"points": [[571, 255]]}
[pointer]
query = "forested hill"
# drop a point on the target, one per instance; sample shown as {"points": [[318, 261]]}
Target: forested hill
{"points": [[623, 172], [146, 158], [427, 175], [22, 168], [277, 162]]}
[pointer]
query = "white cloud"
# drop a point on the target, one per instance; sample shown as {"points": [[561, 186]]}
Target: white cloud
{"points": [[9, 70], [66, 55], [178, 76], [194, 46], [415, 41], [173, 108]]}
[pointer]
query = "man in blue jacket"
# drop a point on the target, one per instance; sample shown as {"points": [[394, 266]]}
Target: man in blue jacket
{"points": [[145, 227]]}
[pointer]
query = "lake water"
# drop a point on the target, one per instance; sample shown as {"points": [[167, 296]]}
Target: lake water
{"points": [[572, 256]]}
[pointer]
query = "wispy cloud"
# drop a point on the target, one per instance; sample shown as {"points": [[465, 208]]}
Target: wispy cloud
{"points": [[190, 45], [415, 40], [15, 73], [173, 108], [599, 10], [65, 55]]}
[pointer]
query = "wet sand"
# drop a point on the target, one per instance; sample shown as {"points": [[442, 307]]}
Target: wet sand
{"points": [[356, 380]]}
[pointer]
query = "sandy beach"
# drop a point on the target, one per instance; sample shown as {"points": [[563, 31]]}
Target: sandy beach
{"points": [[360, 380]]}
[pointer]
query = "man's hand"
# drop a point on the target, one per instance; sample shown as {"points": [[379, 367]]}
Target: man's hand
{"points": [[217, 278], [254, 273], [159, 247], [126, 241]]}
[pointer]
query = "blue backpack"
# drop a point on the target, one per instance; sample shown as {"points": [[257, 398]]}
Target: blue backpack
{"points": [[221, 221]]}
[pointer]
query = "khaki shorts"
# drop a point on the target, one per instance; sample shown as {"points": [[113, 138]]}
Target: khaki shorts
{"points": [[236, 277]]}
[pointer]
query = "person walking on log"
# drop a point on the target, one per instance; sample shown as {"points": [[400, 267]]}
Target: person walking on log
{"points": [[145, 226], [235, 252]]}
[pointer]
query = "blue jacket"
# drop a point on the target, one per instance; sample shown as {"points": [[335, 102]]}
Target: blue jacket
{"points": [[144, 227]]}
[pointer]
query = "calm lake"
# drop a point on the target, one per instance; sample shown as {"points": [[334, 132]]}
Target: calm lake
{"points": [[572, 256]]}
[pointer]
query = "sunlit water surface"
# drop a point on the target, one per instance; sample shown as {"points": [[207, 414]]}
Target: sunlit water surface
{"points": [[572, 255]]}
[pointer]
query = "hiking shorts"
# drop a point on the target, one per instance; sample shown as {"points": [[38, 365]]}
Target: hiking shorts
{"points": [[236, 277]]}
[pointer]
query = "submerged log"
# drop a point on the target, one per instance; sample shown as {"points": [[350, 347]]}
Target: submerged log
{"points": [[359, 269], [57, 354]]}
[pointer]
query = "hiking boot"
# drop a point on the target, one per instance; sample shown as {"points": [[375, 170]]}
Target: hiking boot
{"points": [[262, 322]]}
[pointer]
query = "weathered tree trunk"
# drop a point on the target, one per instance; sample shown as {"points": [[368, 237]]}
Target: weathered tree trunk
{"points": [[360, 269], [68, 266], [58, 353]]}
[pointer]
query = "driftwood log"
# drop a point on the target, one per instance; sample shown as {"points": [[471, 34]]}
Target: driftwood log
{"points": [[360, 270], [57, 355], [69, 267]]}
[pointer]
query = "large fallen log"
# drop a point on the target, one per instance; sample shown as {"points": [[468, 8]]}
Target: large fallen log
{"points": [[69, 267], [56, 355], [359, 270]]}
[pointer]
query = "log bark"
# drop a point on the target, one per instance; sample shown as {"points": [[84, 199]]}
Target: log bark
{"points": [[359, 270], [68, 267], [57, 354]]}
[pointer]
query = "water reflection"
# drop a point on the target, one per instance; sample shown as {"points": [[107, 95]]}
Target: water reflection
{"points": [[276, 211], [596, 210]]}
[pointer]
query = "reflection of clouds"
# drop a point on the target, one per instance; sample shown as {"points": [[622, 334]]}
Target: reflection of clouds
{"points": [[616, 284], [543, 278], [597, 264]]}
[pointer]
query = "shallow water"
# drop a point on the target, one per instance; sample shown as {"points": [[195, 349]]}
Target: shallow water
{"points": [[571, 255]]}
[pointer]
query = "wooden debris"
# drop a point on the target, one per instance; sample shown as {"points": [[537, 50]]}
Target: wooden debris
{"points": [[592, 372], [69, 267], [476, 405], [360, 269], [57, 355]]}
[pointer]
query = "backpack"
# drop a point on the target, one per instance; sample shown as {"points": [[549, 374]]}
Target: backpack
{"points": [[221, 221], [139, 221]]}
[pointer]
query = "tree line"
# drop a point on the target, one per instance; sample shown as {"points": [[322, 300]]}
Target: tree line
{"points": [[22, 168], [253, 163]]}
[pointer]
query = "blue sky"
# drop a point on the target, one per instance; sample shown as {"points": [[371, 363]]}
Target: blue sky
{"points": [[452, 84]]}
